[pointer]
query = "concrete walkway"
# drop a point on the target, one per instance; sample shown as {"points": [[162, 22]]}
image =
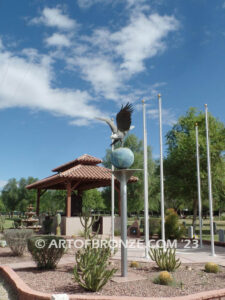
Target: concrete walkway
{"points": [[186, 255], [189, 255]]}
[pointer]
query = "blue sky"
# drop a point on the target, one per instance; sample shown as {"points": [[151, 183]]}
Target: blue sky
{"points": [[63, 63]]}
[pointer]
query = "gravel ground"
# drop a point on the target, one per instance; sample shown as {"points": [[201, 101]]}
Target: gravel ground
{"points": [[7, 257], [186, 281]]}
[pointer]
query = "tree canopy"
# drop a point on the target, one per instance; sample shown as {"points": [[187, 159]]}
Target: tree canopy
{"points": [[92, 199], [15, 197], [180, 163]]}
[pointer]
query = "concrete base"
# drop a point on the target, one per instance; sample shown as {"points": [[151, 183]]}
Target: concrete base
{"points": [[130, 277], [72, 226]]}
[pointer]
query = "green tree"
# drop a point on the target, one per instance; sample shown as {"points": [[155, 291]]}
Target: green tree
{"points": [[92, 199], [135, 191], [2, 206], [15, 196], [52, 201], [25, 196], [10, 195], [180, 163]]}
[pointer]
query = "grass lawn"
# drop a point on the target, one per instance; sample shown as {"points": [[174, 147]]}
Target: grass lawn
{"points": [[188, 221], [8, 223], [208, 237]]}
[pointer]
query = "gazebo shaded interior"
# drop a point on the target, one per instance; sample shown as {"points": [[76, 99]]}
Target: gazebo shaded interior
{"points": [[81, 174]]}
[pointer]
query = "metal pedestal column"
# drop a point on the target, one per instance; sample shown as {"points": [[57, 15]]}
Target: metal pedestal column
{"points": [[123, 176]]}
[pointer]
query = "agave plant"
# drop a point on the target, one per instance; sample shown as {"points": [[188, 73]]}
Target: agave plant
{"points": [[165, 258]]}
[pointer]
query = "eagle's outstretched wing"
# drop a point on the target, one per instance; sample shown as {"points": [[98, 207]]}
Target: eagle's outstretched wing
{"points": [[110, 123], [123, 118]]}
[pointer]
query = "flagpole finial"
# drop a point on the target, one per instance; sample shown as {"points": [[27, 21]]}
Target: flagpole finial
{"points": [[143, 101], [196, 124], [159, 95], [206, 105]]}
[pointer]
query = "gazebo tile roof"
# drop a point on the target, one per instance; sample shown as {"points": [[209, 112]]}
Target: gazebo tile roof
{"points": [[87, 172], [83, 159], [84, 170]]}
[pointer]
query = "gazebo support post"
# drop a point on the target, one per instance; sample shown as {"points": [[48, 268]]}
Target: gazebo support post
{"points": [[38, 202], [68, 202]]}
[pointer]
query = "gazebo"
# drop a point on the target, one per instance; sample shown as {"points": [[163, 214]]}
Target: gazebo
{"points": [[81, 174]]}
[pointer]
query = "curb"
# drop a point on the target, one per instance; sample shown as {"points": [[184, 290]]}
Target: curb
{"points": [[26, 293]]}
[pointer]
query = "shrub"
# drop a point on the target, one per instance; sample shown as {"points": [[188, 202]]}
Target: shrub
{"points": [[165, 259], [91, 271], [173, 230], [164, 278], [17, 222], [211, 267], [46, 251], [134, 264], [154, 226], [2, 223], [17, 239]]}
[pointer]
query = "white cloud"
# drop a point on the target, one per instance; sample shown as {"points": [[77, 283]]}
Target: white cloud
{"points": [[142, 38], [54, 17], [80, 122], [29, 84], [3, 183], [59, 40], [105, 59], [102, 74], [30, 53], [89, 3], [1, 44], [110, 59], [168, 117], [129, 3]]}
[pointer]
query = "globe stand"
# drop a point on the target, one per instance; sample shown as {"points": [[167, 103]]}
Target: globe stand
{"points": [[123, 175]]}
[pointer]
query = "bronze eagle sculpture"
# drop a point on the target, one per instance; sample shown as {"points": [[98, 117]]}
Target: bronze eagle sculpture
{"points": [[123, 123]]}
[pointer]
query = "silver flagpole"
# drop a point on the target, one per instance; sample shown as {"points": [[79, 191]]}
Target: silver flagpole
{"points": [[199, 185], [112, 199], [145, 182], [209, 182], [161, 172]]}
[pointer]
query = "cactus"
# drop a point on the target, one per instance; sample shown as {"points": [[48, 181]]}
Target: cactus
{"points": [[211, 267], [58, 221], [91, 270], [165, 259], [87, 222], [134, 264], [164, 278]]}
